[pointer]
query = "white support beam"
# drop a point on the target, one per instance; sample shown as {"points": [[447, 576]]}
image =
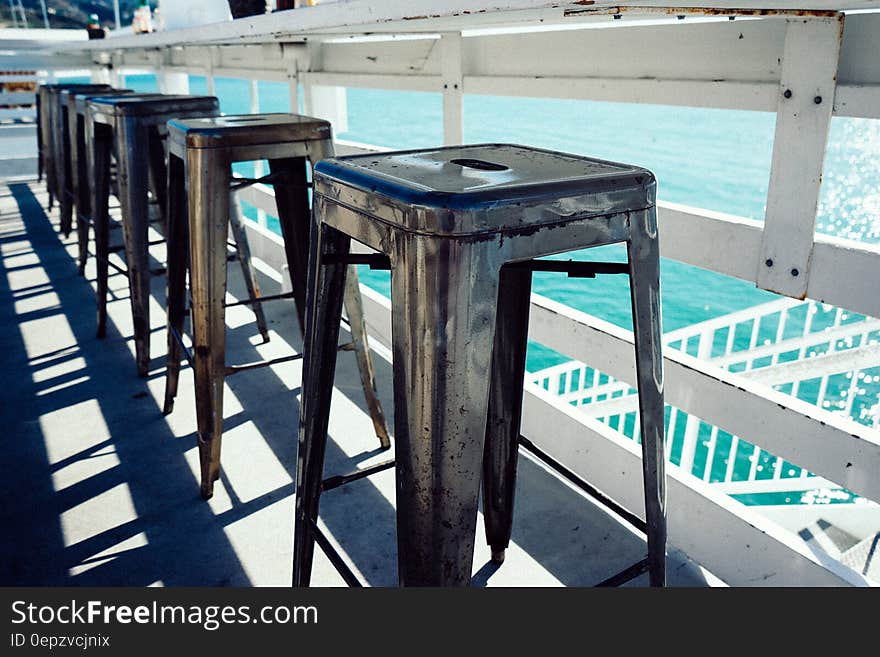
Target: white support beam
{"points": [[453, 88], [291, 55], [323, 100], [803, 117]]}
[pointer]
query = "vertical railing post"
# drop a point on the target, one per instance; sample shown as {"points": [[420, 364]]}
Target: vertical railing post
{"points": [[453, 92], [258, 165], [807, 85], [692, 426]]}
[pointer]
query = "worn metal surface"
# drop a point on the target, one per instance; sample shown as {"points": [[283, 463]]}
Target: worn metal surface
{"points": [[137, 126], [81, 175], [201, 152], [450, 219], [62, 153]]}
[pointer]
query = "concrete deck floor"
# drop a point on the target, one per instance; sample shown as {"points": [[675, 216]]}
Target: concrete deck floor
{"points": [[99, 488]]}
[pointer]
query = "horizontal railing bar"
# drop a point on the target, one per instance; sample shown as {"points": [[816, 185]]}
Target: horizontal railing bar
{"points": [[813, 339], [731, 245], [842, 450], [833, 259]]}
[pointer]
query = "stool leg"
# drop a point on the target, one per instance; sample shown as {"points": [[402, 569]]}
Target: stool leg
{"points": [[644, 258], [444, 299], [39, 110], [505, 407], [177, 239], [326, 286], [208, 175], [65, 200], [101, 140], [355, 310], [81, 202], [247, 268], [133, 185], [158, 174], [294, 215], [293, 208]]}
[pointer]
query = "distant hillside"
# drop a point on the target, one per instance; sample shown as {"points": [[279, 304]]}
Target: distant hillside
{"points": [[71, 13]]}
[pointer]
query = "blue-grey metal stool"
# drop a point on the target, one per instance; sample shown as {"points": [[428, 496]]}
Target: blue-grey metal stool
{"points": [[81, 170], [202, 152], [135, 128], [460, 228]]}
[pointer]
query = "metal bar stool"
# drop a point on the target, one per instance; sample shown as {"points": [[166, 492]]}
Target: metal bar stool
{"points": [[135, 127], [201, 153], [46, 143], [460, 227], [63, 150], [81, 173]]}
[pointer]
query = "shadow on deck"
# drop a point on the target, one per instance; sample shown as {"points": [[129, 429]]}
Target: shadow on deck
{"points": [[101, 489]]}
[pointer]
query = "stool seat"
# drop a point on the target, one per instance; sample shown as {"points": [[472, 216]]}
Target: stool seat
{"points": [[246, 129], [453, 222], [488, 187], [201, 154], [150, 105]]}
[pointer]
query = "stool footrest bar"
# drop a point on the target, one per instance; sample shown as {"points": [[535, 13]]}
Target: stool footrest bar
{"points": [[178, 338], [594, 492], [334, 556], [374, 260], [626, 575], [268, 297], [340, 480], [574, 268], [233, 369]]}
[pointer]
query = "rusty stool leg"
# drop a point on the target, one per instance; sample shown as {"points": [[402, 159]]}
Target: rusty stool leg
{"points": [[644, 261], [101, 137], [294, 215], [505, 406], [158, 174], [326, 286], [177, 237], [65, 200], [444, 298], [292, 198], [132, 140], [355, 310], [39, 108], [236, 222], [82, 200], [208, 175]]}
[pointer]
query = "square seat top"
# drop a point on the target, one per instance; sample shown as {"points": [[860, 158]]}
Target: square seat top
{"points": [[466, 189], [153, 104], [246, 130], [79, 98], [67, 92]]}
